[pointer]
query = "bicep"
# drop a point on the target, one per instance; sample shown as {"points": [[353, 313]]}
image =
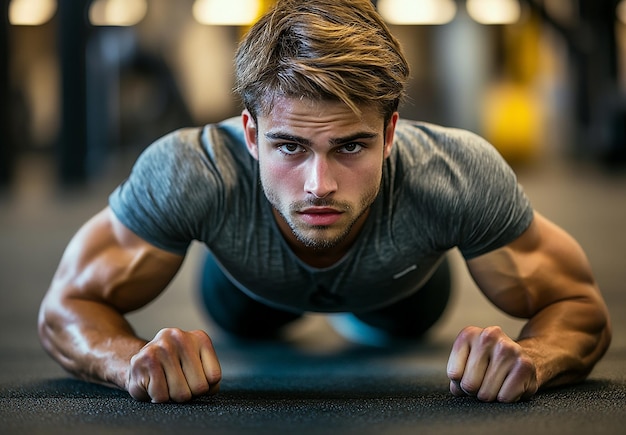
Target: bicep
{"points": [[542, 266], [106, 262]]}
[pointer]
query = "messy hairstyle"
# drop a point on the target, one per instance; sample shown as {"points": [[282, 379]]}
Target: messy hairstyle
{"points": [[339, 50]]}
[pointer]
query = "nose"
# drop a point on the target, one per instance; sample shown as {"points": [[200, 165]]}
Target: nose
{"points": [[320, 180]]}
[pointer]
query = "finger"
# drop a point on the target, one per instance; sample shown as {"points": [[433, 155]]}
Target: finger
{"points": [[521, 382], [138, 390], [200, 365], [475, 371], [170, 351], [157, 386], [489, 362], [502, 380], [193, 373], [491, 385], [211, 368], [458, 356], [469, 359], [177, 384], [146, 380], [456, 390]]}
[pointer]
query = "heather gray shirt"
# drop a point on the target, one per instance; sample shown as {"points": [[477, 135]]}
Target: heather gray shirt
{"points": [[442, 188]]}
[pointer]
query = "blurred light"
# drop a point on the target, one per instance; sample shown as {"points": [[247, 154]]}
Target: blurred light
{"points": [[117, 12], [417, 11], [494, 11], [621, 11], [227, 12], [565, 13], [31, 12]]}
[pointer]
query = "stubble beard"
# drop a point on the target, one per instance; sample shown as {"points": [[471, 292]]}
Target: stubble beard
{"points": [[321, 242]]}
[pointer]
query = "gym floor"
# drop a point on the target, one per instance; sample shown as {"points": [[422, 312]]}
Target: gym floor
{"points": [[314, 381]]}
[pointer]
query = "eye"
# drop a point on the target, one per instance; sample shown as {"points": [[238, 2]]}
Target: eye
{"points": [[290, 148], [350, 148]]}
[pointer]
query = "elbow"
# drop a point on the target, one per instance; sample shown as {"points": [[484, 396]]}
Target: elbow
{"points": [[604, 329], [600, 332], [606, 334], [45, 328], [49, 328]]}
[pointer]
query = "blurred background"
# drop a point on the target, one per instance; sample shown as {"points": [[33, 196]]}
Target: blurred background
{"points": [[87, 84]]}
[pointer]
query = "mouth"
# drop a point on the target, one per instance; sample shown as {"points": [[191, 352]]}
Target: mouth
{"points": [[320, 216]]}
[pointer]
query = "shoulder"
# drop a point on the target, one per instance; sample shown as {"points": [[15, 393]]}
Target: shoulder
{"points": [[431, 139], [212, 147], [422, 151], [209, 137]]}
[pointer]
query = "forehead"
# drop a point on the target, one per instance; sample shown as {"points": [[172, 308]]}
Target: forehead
{"points": [[304, 113]]}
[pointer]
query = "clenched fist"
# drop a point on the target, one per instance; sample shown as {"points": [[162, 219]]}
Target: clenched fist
{"points": [[175, 366], [489, 365]]}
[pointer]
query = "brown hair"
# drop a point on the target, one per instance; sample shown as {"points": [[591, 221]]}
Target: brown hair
{"points": [[321, 50]]}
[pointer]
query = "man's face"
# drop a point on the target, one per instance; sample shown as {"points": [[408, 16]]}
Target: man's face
{"points": [[321, 167]]}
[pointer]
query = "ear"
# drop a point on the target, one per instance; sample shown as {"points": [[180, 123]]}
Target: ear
{"points": [[390, 130], [250, 133]]}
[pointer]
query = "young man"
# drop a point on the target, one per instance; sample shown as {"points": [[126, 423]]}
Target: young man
{"points": [[319, 198]]}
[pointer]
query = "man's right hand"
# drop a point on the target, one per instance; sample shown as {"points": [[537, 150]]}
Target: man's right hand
{"points": [[106, 272], [175, 366]]}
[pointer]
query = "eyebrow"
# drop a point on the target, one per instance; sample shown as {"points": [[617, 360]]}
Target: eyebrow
{"points": [[306, 142]]}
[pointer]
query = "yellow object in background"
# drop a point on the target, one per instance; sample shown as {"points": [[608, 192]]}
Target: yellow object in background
{"points": [[513, 111], [512, 121]]}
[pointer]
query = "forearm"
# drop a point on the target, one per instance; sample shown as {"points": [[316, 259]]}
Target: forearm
{"points": [[89, 339], [566, 339]]}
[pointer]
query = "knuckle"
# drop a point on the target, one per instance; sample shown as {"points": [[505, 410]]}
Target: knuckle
{"points": [[146, 360], [526, 363], [507, 348], [170, 334], [454, 375], [200, 333], [469, 331], [181, 396], [469, 387], [159, 397], [152, 355], [503, 398], [525, 367], [138, 393], [200, 388], [214, 376], [485, 396], [491, 334], [203, 337]]}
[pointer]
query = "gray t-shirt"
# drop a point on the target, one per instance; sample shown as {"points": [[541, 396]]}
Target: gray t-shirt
{"points": [[442, 188]]}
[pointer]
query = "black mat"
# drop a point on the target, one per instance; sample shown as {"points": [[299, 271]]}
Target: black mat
{"points": [[284, 390]]}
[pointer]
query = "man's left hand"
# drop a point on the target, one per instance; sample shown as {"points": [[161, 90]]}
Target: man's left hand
{"points": [[487, 364]]}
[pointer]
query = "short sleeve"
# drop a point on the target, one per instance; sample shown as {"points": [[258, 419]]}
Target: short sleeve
{"points": [[495, 209], [168, 192]]}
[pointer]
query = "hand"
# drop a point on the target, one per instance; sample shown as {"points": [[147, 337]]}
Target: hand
{"points": [[175, 366], [489, 365]]}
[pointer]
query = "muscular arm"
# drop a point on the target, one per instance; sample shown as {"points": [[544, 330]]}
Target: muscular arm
{"points": [[543, 276], [106, 272]]}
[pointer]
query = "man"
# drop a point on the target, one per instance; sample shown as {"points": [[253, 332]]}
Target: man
{"points": [[319, 198]]}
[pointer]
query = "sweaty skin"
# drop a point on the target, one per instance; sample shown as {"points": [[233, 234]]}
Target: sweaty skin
{"points": [[543, 276], [105, 272], [333, 161]]}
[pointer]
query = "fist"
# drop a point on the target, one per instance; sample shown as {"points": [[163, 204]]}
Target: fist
{"points": [[175, 366], [489, 365]]}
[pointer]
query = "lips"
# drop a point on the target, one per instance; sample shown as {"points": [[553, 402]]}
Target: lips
{"points": [[320, 216]]}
